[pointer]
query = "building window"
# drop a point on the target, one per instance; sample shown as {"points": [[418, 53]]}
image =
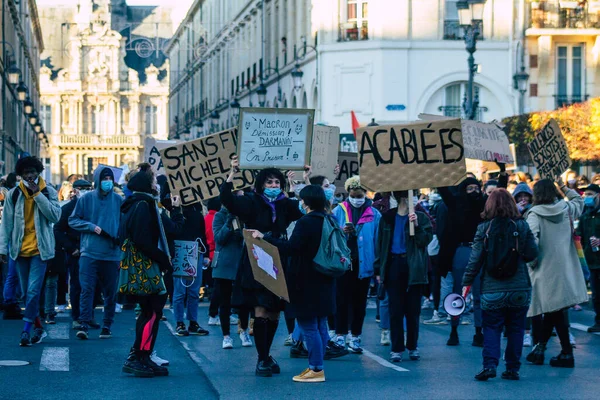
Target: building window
{"points": [[570, 72], [356, 26], [454, 95], [46, 117], [151, 120], [98, 120], [452, 28]]}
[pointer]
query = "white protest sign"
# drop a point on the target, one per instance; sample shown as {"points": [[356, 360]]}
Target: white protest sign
{"points": [[482, 141], [152, 148], [275, 137], [325, 144]]}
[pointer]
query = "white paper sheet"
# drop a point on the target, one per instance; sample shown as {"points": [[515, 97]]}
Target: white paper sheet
{"points": [[265, 261]]}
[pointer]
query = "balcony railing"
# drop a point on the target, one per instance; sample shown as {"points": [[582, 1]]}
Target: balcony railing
{"points": [[349, 31], [96, 140], [563, 101], [558, 14], [457, 112], [453, 30]]}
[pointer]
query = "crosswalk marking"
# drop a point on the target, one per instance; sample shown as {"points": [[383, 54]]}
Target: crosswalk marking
{"points": [[583, 328], [58, 331], [383, 362], [55, 359]]}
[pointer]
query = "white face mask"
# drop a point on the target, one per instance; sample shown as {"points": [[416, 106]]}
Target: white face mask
{"points": [[357, 203], [393, 202]]}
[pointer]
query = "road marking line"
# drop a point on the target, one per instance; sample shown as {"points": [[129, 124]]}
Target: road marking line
{"points": [[185, 345], [55, 359], [383, 362], [58, 331], [583, 328]]}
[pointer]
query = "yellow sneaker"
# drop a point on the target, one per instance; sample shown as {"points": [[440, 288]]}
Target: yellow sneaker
{"points": [[310, 376]]}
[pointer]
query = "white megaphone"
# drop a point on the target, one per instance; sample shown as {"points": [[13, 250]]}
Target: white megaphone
{"points": [[455, 304]]}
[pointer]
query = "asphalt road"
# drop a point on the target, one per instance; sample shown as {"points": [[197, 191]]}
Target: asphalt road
{"points": [[64, 367]]}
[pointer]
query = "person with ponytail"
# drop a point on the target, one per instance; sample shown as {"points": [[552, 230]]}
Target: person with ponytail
{"points": [[269, 211]]}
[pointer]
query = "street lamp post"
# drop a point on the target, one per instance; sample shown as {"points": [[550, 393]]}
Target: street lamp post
{"points": [[261, 92], [470, 15], [520, 81], [297, 73]]}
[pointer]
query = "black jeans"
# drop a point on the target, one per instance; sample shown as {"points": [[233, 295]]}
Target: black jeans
{"points": [[543, 325], [404, 301], [595, 284], [224, 287], [351, 298]]}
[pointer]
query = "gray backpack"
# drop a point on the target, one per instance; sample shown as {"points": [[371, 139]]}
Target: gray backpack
{"points": [[333, 257]]}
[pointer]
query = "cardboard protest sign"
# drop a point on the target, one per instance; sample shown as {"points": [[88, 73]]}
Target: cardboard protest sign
{"points": [[411, 156], [266, 265], [196, 169], [491, 167], [549, 151], [275, 137], [152, 148], [325, 145], [482, 141], [348, 162], [185, 259]]}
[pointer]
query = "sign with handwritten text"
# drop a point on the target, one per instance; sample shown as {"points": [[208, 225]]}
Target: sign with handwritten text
{"points": [[417, 155], [549, 151], [325, 144], [275, 137], [348, 162], [152, 148]]}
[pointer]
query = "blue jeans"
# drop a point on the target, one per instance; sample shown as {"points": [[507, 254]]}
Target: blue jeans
{"points": [[90, 271], [493, 322], [181, 289], [459, 266], [446, 288], [50, 294], [384, 313], [315, 337], [11, 290], [31, 272]]}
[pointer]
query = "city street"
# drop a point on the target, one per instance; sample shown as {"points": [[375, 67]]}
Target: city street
{"points": [[64, 367]]}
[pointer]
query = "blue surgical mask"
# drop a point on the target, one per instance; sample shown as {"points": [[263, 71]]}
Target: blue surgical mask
{"points": [[302, 210], [272, 193], [329, 193], [106, 186], [590, 201]]}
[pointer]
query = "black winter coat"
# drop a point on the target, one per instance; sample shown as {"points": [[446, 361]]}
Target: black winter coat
{"points": [[67, 240], [312, 294]]}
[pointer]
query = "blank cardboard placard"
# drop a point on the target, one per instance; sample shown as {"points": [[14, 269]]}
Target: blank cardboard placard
{"points": [[152, 148], [325, 146], [275, 137], [549, 151], [348, 162], [411, 156], [266, 265], [482, 141], [196, 169]]}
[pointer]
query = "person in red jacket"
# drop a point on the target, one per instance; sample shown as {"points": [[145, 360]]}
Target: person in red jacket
{"points": [[213, 205]]}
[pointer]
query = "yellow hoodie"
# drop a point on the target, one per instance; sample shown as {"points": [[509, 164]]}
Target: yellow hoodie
{"points": [[29, 248]]}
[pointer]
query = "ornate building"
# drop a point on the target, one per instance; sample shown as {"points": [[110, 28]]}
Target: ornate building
{"points": [[104, 83]]}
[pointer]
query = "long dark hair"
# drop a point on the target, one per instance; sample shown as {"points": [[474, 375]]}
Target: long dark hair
{"points": [[500, 203], [265, 174], [314, 197], [545, 192]]}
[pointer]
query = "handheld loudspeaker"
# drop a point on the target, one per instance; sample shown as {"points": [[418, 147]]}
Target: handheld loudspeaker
{"points": [[455, 304]]}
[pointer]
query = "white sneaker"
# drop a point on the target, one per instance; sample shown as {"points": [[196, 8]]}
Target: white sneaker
{"points": [[233, 319], [427, 304], [227, 342], [119, 309], [288, 340], [355, 345], [436, 319], [527, 341], [245, 338], [348, 337], [340, 341], [332, 334], [572, 340], [214, 321], [385, 337], [61, 309], [160, 361]]}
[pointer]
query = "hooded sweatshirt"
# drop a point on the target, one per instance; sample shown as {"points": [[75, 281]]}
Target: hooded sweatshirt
{"points": [[98, 208], [523, 188]]}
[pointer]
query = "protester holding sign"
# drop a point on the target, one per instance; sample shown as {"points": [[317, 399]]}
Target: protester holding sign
{"points": [[312, 294], [464, 215], [402, 269], [267, 210], [359, 220]]}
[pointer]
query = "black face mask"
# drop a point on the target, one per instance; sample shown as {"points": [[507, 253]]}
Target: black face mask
{"points": [[473, 195]]}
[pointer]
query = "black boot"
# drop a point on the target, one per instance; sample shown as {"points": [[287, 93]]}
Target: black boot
{"points": [[263, 368], [486, 374], [298, 351], [510, 375], [271, 362], [478, 340], [135, 365], [12, 312], [536, 357], [563, 361], [453, 339]]}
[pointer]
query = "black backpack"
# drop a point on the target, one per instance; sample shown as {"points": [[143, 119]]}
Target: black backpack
{"points": [[17, 192], [501, 249]]}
